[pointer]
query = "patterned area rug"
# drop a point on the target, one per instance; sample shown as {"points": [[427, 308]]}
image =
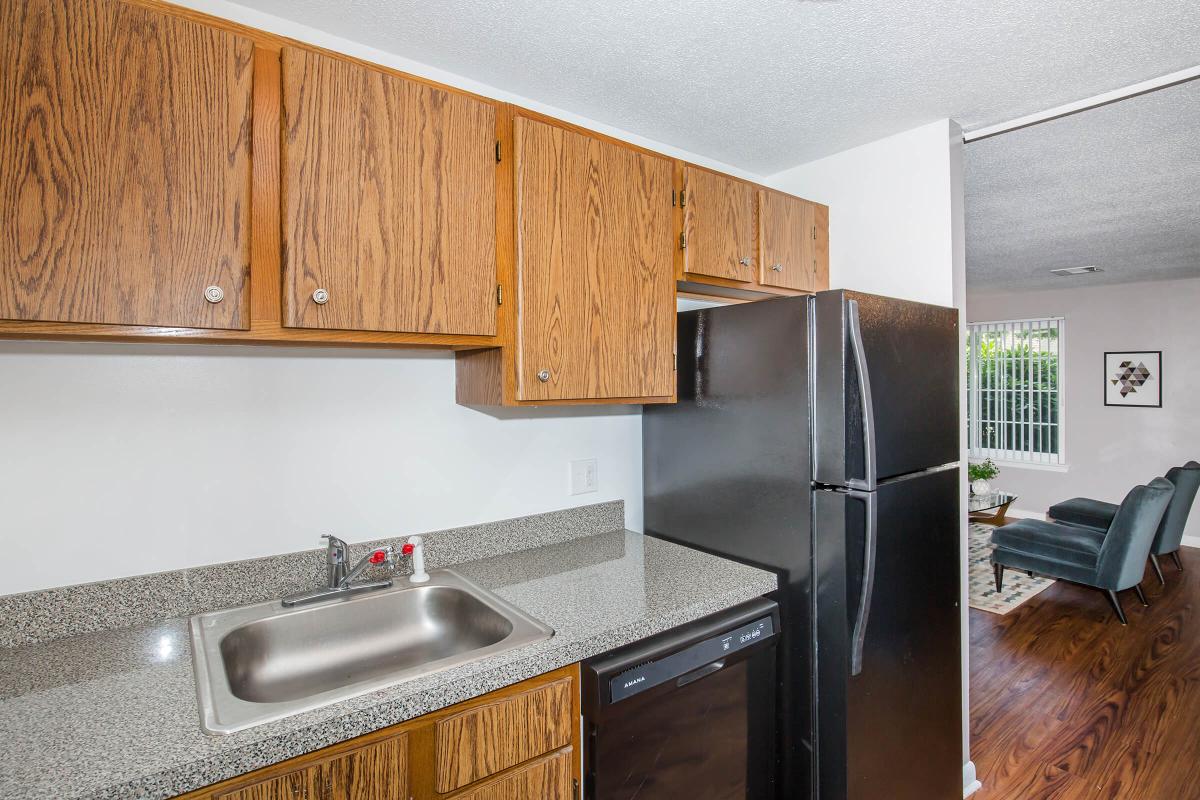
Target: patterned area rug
{"points": [[981, 589]]}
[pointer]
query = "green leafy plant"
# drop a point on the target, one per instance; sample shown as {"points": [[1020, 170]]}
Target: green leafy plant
{"points": [[984, 470]]}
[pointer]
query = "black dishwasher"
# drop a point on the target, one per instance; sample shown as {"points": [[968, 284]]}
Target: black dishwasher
{"points": [[688, 714]]}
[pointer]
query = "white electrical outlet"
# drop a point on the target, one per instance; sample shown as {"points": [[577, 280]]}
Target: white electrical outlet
{"points": [[583, 476]]}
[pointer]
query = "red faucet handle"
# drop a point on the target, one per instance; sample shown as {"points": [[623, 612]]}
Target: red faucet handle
{"points": [[378, 557], [406, 550]]}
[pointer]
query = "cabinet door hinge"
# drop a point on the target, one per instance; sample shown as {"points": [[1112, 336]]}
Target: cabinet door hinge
{"points": [[682, 198], [682, 241], [497, 152], [575, 788], [672, 198], [499, 295], [814, 232], [675, 361]]}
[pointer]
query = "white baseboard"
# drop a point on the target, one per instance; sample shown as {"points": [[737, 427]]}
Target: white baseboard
{"points": [[971, 784], [1191, 541]]}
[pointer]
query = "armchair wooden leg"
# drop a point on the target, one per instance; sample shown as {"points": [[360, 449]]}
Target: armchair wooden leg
{"points": [[1177, 560], [1116, 604], [1141, 595], [999, 570], [1157, 569]]}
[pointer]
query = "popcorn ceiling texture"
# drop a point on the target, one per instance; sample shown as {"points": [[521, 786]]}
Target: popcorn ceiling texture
{"points": [[768, 84], [1116, 186]]}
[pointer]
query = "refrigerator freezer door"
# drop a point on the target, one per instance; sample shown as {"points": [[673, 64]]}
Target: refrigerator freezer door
{"points": [[895, 729], [907, 407]]}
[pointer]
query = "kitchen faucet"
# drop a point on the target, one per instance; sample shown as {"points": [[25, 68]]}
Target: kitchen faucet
{"points": [[340, 581]]}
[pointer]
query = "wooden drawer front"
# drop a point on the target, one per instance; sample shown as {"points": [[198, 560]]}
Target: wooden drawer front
{"points": [[376, 772], [494, 737], [125, 144], [545, 779]]}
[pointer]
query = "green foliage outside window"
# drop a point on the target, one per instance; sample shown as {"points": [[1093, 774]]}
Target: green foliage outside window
{"points": [[1013, 381]]}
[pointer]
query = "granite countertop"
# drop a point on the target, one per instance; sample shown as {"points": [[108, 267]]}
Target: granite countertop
{"points": [[113, 714]]}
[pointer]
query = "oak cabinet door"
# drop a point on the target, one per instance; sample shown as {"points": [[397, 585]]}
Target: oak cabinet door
{"points": [[376, 771], [795, 250], [124, 166], [595, 267], [389, 201], [718, 226]]}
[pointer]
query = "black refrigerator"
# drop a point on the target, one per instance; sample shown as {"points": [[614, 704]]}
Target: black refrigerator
{"points": [[818, 437]]}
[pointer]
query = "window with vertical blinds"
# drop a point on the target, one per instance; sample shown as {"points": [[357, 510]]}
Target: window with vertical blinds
{"points": [[1014, 392]]}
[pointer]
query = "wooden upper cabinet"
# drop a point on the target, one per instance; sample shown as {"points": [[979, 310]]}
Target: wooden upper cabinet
{"points": [[795, 243], [124, 166], [389, 201], [718, 226], [595, 267]]}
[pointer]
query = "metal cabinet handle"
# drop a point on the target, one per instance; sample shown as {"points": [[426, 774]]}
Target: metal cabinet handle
{"points": [[777, 267], [214, 294], [745, 262], [320, 297], [543, 375]]}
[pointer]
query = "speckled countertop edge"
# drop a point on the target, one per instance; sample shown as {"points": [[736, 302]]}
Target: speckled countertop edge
{"points": [[75, 713]]}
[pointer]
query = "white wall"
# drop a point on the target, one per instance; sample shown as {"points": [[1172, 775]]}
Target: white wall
{"points": [[890, 215], [126, 459], [1110, 449]]}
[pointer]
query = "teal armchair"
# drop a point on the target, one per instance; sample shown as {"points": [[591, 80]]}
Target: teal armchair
{"points": [[1112, 560], [1098, 515]]}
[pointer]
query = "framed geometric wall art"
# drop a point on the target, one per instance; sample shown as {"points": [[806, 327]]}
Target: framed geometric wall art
{"points": [[1133, 378]]}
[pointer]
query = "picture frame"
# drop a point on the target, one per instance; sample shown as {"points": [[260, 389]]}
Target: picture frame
{"points": [[1133, 378]]}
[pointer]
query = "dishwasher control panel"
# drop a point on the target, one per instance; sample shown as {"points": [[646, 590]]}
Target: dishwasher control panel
{"points": [[702, 658]]}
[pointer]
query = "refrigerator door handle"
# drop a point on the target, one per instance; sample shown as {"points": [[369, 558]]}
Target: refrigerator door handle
{"points": [[854, 329], [858, 636]]}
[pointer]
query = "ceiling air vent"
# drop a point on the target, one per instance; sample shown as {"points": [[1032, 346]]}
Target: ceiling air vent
{"points": [[1068, 271]]}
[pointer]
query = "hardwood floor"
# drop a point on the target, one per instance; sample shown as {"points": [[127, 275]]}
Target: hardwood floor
{"points": [[1068, 704]]}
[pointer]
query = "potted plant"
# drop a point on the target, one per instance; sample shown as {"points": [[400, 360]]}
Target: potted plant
{"points": [[979, 475]]}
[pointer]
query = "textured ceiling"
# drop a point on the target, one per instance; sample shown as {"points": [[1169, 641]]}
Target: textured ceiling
{"points": [[768, 84], [1117, 186]]}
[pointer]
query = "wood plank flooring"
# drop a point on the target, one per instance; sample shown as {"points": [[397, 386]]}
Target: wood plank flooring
{"points": [[1066, 704]]}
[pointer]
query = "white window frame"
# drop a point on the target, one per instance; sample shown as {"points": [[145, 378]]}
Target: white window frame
{"points": [[1016, 455]]}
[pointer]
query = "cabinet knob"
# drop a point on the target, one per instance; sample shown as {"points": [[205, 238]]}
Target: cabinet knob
{"points": [[320, 297], [543, 375], [777, 267], [214, 294], [745, 262]]}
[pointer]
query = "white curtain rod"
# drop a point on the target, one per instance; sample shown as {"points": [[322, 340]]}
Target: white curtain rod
{"points": [[1116, 95]]}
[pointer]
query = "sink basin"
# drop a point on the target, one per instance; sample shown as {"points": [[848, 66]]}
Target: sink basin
{"points": [[264, 662]]}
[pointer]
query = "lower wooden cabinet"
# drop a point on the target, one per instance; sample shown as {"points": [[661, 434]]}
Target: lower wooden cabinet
{"points": [[517, 743], [546, 778], [482, 741], [376, 771]]}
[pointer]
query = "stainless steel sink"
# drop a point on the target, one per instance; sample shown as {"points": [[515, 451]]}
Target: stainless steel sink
{"points": [[264, 662]]}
